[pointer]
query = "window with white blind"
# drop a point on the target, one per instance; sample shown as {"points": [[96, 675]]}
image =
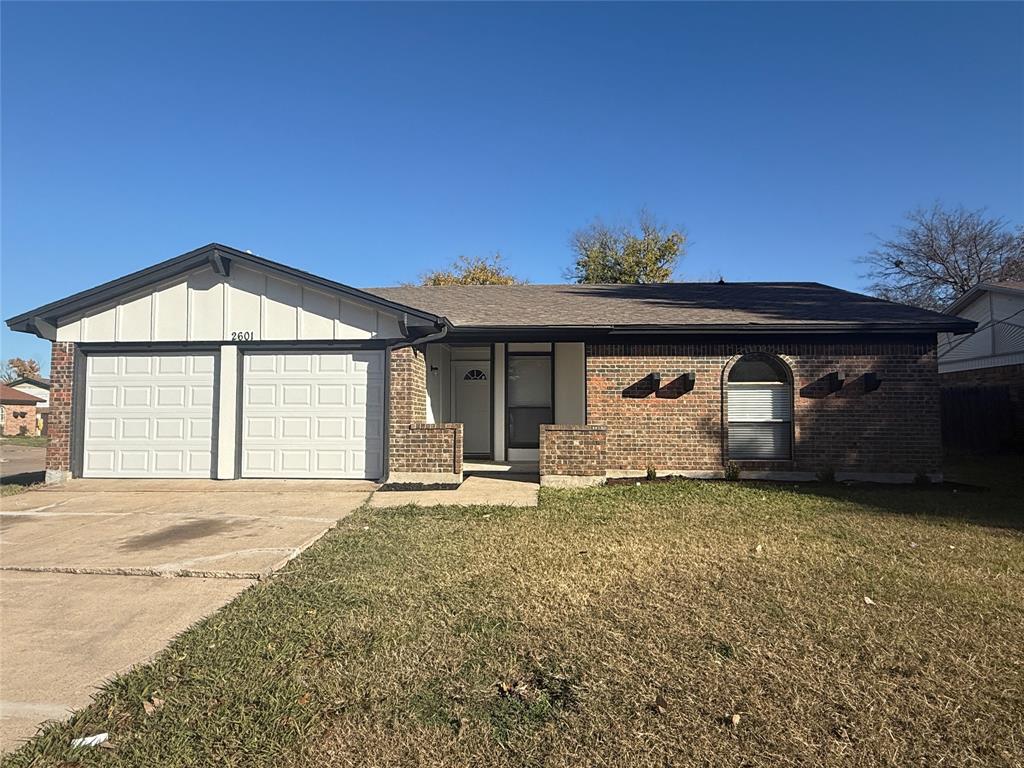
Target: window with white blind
{"points": [[760, 399]]}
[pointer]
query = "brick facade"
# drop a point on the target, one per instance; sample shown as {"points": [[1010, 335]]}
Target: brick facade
{"points": [[418, 452], [62, 376], [19, 419], [895, 429], [572, 454]]}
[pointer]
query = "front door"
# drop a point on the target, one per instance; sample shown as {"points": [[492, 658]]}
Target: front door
{"points": [[471, 404]]}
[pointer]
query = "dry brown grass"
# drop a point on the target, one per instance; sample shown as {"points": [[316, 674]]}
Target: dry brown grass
{"points": [[614, 627]]}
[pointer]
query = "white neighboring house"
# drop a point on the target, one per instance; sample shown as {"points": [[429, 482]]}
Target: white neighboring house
{"points": [[992, 356], [34, 385], [998, 308]]}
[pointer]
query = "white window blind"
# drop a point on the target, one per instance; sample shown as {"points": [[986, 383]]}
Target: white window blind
{"points": [[760, 416]]}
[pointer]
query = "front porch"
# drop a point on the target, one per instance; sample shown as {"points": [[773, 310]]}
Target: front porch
{"points": [[503, 392], [480, 409]]}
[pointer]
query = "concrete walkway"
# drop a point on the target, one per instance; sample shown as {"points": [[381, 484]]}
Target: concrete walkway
{"points": [[78, 603], [484, 489]]}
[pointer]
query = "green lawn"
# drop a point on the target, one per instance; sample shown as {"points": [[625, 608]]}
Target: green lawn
{"points": [[672, 624], [37, 440]]}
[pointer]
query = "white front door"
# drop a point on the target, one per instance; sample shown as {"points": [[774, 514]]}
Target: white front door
{"points": [[313, 414], [148, 415], [471, 404]]}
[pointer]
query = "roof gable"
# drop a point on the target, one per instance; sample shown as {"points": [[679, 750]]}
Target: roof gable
{"points": [[213, 258]]}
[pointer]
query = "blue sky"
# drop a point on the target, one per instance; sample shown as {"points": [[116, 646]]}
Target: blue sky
{"points": [[368, 143]]}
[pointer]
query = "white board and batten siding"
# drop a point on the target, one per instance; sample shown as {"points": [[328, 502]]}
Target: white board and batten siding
{"points": [[172, 413], [249, 305], [760, 420]]}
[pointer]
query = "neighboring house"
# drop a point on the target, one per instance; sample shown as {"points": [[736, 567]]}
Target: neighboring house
{"points": [[992, 356], [17, 412], [222, 364], [38, 386]]}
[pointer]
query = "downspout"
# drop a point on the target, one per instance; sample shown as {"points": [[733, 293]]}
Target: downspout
{"points": [[416, 341]]}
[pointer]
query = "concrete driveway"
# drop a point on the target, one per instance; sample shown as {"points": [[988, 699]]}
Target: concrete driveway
{"points": [[80, 593]]}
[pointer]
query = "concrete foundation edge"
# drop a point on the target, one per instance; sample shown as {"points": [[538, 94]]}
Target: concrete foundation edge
{"points": [[55, 476], [571, 481], [788, 476], [424, 478]]}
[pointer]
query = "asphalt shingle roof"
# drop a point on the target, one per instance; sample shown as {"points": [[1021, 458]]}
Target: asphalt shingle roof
{"points": [[16, 396], [718, 305]]}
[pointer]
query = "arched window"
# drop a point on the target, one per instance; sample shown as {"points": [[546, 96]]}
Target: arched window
{"points": [[760, 402], [475, 375]]}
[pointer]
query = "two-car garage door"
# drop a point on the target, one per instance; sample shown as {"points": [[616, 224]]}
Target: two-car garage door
{"points": [[317, 414]]}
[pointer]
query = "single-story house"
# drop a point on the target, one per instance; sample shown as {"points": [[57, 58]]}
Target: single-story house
{"points": [[219, 363], [39, 386], [34, 385], [993, 355], [17, 412]]}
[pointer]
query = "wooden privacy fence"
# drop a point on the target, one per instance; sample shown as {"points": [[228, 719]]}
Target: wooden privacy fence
{"points": [[976, 419]]}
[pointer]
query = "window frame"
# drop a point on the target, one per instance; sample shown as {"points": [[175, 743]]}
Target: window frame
{"points": [[787, 384], [509, 354]]}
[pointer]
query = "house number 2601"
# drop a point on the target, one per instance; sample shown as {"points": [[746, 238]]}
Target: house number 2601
{"points": [[241, 335]]}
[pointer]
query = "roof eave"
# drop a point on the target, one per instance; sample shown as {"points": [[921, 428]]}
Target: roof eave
{"points": [[953, 325]]}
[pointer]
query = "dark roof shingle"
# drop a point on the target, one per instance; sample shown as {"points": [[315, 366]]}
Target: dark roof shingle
{"points": [[728, 306]]}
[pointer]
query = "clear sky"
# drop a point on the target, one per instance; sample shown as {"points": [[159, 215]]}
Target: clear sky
{"points": [[368, 143]]}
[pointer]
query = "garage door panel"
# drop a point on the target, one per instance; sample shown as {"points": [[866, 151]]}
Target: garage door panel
{"points": [[101, 366], [260, 394], [138, 365], [299, 415], [133, 461], [102, 396], [131, 428], [149, 415]]}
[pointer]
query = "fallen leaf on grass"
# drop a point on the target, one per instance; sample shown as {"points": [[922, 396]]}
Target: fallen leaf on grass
{"points": [[869, 601], [152, 704], [734, 720], [660, 704]]}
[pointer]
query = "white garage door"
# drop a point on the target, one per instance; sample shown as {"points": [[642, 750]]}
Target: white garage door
{"points": [[148, 415], [313, 415]]}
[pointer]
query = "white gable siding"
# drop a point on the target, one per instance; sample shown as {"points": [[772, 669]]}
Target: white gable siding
{"points": [[998, 341], [205, 306], [32, 389]]}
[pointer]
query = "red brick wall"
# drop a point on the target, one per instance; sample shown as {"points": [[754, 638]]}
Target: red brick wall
{"points": [[62, 375], [572, 450], [414, 445], [894, 429], [18, 417]]}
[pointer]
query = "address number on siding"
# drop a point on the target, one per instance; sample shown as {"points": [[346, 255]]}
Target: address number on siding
{"points": [[242, 335]]}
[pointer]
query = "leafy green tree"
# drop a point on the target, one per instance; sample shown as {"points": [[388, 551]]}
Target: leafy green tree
{"points": [[472, 270], [644, 252]]}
